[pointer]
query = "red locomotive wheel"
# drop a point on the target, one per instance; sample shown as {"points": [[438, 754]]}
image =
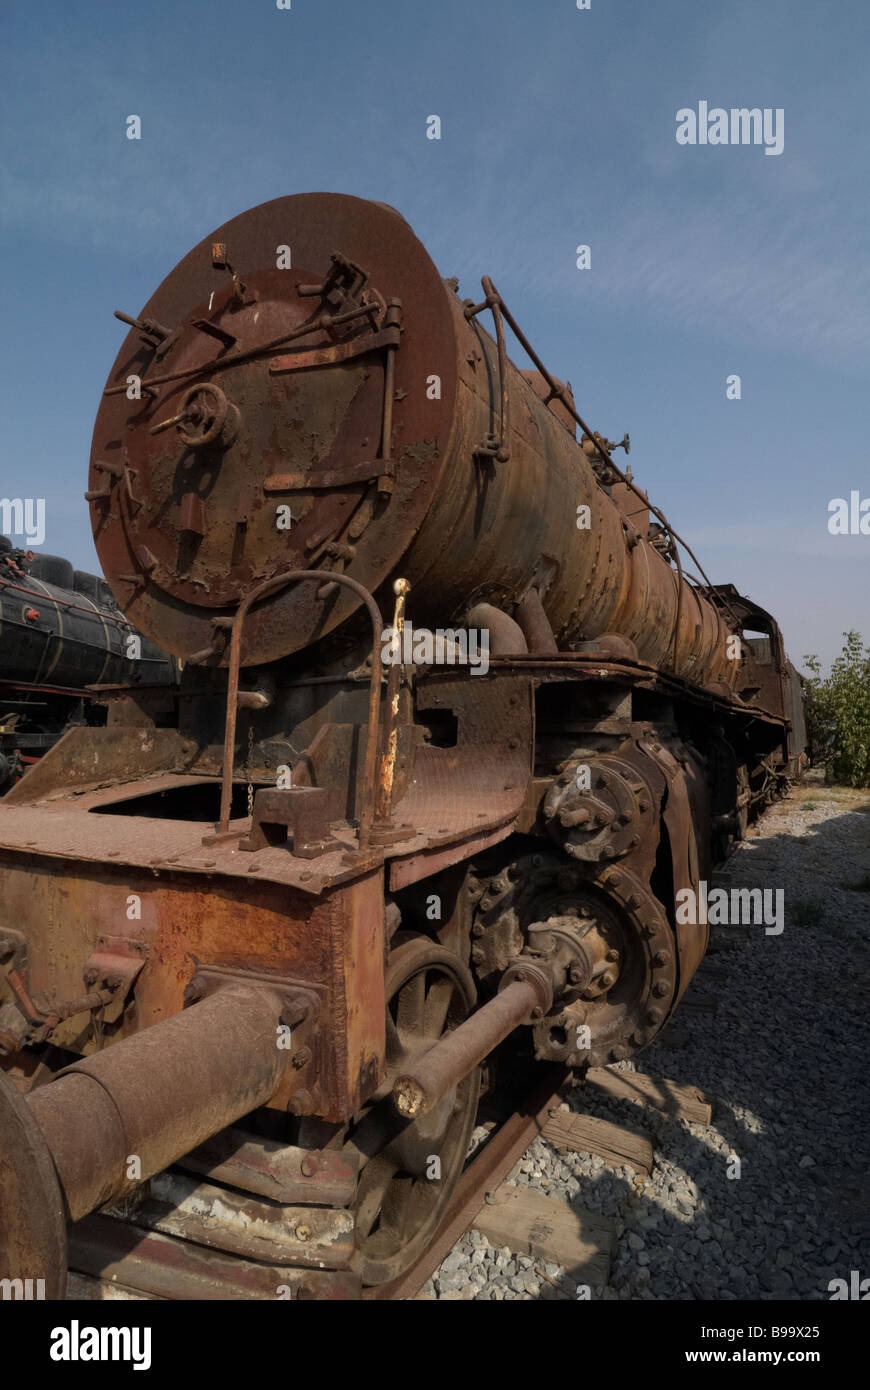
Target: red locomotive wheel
{"points": [[409, 1170]]}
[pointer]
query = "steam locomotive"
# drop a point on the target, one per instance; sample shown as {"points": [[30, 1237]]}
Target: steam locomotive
{"points": [[456, 725], [61, 636]]}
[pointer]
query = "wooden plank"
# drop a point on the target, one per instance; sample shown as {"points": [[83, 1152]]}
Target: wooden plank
{"points": [[530, 1224], [672, 1097], [616, 1144]]}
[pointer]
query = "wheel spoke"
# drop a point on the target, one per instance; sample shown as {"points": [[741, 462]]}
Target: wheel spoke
{"points": [[411, 1005], [397, 1212], [420, 1201], [397, 1204], [373, 1187], [395, 1050], [437, 1007], [377, 1128]]}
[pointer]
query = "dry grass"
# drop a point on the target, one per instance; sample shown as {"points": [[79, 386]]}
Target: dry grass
{"points": [[834, 793], [852, 798]]}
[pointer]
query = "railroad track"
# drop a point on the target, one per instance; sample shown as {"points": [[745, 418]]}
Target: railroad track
{"points": [[186, 1239]]}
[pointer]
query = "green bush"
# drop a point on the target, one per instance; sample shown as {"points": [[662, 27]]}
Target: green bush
{"points": [[838, 713]]}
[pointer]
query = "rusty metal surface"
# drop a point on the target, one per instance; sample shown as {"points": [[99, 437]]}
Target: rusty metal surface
{"points": [[254, 595], [411, 868], [86, 757], [418, 1090], [397, 1207], [686, 816], [386, 766], [176, 1269], [159, 1093], [62, 831], [595, 447], [341, 352], [534, 475], [464, 801], [536, 625], [334, 943], [478, 782], [602, 667], [315, 415], [561, 408], [527, 509], [321, 1238], [281, 1172]]}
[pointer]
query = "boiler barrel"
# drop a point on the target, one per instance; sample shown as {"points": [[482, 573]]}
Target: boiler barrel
{"points": [[327, 405], [541, 520]]}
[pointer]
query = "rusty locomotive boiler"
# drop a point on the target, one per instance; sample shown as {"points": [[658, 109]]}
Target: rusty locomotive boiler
{"points": [[454, 728]]}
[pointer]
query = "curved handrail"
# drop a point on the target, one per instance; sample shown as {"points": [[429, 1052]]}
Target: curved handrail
{"points": [[271, 586]]}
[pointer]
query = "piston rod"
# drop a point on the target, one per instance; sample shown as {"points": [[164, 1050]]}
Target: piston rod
{"points": [[417, 1092]]}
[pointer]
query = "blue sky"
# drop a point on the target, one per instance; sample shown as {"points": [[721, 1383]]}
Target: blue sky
{"points": [[558, 128]]}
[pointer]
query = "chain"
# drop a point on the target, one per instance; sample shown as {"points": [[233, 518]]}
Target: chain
{"points": [[248, 769]]}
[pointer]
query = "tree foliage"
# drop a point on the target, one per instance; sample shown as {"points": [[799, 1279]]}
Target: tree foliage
{"points": [[838, 713]]}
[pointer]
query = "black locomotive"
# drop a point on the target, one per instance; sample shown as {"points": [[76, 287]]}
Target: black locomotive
{"points": [[62, 637]]}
